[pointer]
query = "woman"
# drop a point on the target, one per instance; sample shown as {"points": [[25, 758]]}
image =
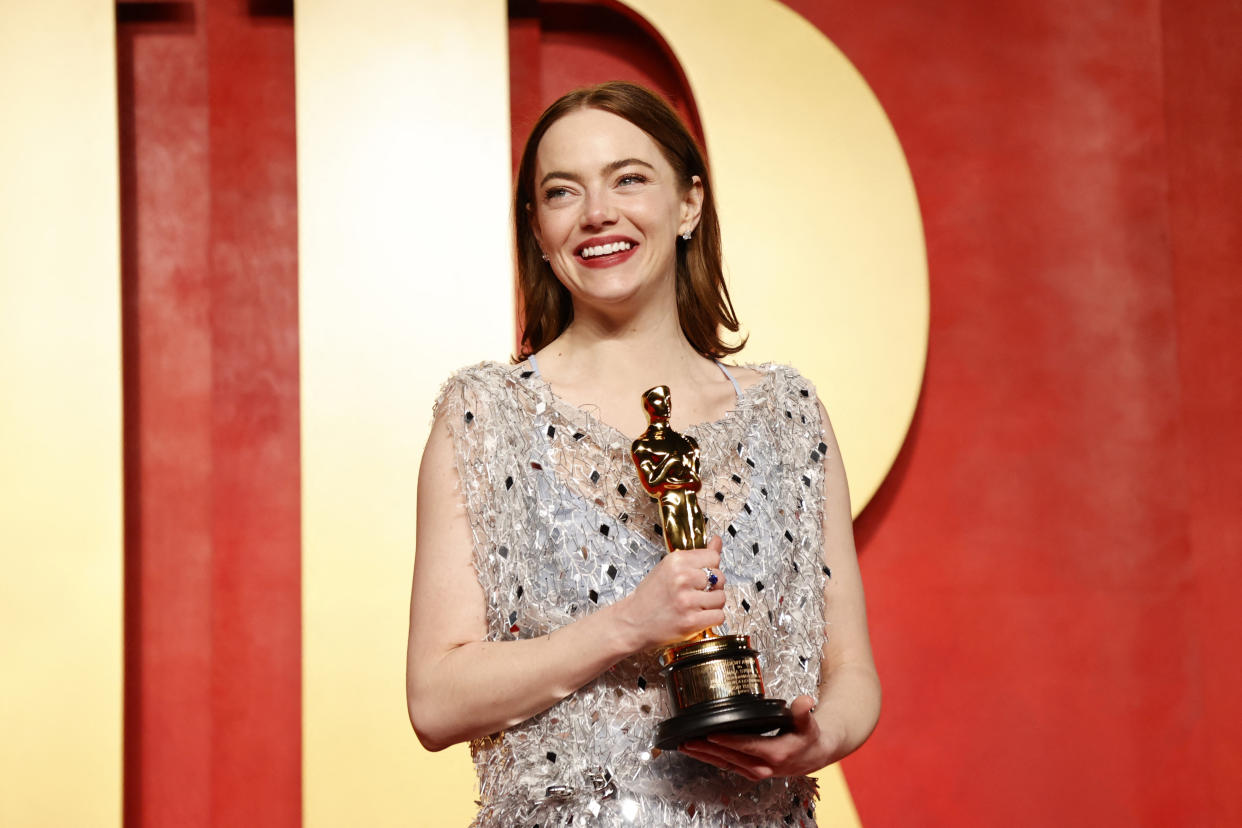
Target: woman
{"points": [[541, 592]]}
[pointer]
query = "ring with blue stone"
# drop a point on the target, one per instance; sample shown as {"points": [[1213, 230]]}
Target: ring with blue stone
{"points": [[712, 579]]}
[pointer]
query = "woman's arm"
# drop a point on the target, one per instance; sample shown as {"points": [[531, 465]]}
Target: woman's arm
{"points": [[458, 686], [836, 723]]}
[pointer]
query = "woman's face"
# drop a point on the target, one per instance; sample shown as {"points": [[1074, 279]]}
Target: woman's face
{"points": [[608, 209]]}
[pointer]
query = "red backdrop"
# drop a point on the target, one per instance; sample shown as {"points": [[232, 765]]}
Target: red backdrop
{"points": [[1050, 567], [212, 526]]}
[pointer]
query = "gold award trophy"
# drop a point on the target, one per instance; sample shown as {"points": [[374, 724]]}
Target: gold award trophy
{"points": [[714, 682]]}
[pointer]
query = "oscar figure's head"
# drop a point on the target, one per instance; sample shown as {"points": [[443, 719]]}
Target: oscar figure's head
{"points": [[657, 403]]}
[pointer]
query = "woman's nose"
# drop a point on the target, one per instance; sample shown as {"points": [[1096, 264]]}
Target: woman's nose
{"points": [[598, 210]]}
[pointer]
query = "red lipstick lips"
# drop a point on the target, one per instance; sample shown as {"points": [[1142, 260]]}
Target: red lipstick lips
{"points": [[605, 259]]}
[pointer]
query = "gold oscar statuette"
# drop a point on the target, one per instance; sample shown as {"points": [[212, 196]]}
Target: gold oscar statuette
{"points": [[714, 681]]}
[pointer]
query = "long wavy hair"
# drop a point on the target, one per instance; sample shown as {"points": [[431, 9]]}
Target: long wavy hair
{"points": [[703, 304]]}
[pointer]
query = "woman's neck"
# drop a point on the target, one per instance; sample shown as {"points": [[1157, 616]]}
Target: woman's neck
{"points": [[650, 349], [606, 364]]}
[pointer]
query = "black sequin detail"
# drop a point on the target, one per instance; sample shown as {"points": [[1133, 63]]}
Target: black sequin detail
{"points": [[746, 605], [806, 481], [658, 529], [739, 449], [594, 477], [737, 479], [551, 431], [551, 756], [788, 536], [758, 586], [469, 417], [526, 374], [746, 506], [732, 531], [612, 571], [509, 482], [823, 449], [802, 661], [624, 517], [754, 548], [603, 529], [750, 462], [513, 617], [503, 552], [719, 497], [815, 457], [578, 435], [827, 571], [804, 392], [642, 683], [520, 590], [621, 490], [763, 490], [789, 414], [594, 596]]}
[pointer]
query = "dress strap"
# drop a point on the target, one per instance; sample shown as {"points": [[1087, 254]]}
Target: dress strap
{"points": [[737, 389], [534, 365]]}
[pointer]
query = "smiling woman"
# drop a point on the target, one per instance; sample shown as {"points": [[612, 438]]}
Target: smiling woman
{"points": [[541, 588], [593, 223], [639, 145]]}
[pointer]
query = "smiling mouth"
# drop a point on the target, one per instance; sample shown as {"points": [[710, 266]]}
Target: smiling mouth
{"points": [[605, 249]]}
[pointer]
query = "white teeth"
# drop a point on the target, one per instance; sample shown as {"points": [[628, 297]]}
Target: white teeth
{"points": [[605, 249]]}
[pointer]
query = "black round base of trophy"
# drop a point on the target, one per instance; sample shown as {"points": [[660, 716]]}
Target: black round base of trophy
{"points": [[740, 714]]}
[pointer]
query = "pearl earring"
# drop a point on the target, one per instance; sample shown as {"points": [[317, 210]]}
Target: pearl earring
{"points": [[543, 255], [686, 235]]}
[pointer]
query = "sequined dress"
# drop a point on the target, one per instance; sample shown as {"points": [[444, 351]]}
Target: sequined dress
{"points": [[561, 527]]}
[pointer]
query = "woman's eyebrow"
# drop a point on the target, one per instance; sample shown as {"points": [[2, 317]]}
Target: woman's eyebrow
{"points": [[625, 162], [608, 168]]}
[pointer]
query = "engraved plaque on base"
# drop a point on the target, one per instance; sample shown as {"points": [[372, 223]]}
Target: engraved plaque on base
{"points": [[714, 681]]}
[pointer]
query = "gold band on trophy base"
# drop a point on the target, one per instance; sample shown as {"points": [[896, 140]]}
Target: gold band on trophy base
{"points": [[714, 681], [709, 670]]}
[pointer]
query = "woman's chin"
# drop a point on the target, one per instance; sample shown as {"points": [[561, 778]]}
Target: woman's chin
{"points": [[618, 290]]}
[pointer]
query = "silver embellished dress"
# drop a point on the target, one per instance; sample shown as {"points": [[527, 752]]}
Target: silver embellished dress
{"points": [[561, 527]]}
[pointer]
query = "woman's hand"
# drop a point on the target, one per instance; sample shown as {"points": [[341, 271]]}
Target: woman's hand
{"points": [[805, 749], [670, 604]]}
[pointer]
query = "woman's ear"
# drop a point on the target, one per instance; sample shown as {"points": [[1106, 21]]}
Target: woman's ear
{"points": [[691, 205], [533, 218]]}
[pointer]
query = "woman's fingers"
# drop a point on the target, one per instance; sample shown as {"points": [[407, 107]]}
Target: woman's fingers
{"points": [[683, 595], [729, 760], [758, 757]]}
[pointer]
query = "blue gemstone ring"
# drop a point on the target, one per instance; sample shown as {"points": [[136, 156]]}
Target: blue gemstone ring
{"points": [[712, 579]]}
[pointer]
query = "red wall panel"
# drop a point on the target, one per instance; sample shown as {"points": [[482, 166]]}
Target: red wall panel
{"points": [[1203, 103], [167, 383], [1042, 612], [213, 649]]}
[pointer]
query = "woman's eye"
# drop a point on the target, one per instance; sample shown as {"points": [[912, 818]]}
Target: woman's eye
{"points": [[553, 193], [631, 178]]}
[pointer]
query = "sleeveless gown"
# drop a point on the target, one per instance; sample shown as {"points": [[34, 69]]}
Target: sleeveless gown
{"points": [[562, 527]]}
